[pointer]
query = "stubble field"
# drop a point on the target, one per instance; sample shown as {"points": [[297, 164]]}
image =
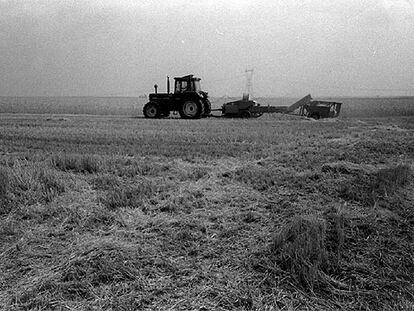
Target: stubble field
{"points": [[275, 213], [354, 107]]}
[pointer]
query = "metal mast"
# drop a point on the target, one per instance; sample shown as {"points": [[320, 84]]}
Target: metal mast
{"points": [[249, 84]]}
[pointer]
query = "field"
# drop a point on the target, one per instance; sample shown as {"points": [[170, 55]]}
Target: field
{"points": [[103, 212], [132, 106]]}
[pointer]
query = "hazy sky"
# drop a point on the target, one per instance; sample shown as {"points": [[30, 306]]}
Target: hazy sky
{"points": [[116, 47]]}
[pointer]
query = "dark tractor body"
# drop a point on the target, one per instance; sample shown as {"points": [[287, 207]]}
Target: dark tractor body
{"points": [[188, 100]]}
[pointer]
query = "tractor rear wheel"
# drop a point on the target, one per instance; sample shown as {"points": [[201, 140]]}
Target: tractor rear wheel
{"points": [[152, 110], [191, 110]]}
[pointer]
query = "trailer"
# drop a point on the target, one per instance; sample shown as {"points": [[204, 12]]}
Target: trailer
{"points": [[246, 108], [318, 109]]}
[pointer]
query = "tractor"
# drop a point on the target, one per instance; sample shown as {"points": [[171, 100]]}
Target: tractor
{"points": [[188, 100]]}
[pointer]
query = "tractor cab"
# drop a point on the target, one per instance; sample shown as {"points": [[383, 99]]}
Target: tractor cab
{"points": [[187, 84]]}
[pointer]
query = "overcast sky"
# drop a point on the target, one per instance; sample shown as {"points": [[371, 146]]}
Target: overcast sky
{"points": [[116, 47]]}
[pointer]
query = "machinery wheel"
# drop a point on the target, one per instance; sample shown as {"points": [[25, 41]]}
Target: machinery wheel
{"points": [[315, 116], [257, 115], [152, 110], [191, 110], [245, 114]]}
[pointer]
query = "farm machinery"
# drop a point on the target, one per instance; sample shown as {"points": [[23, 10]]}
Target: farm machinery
{"points": [[188, 99], [246, 108], [192, 103]]}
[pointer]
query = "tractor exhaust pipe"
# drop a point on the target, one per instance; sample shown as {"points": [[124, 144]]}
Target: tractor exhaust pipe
{"points": [[156, 88], [168, 85]]}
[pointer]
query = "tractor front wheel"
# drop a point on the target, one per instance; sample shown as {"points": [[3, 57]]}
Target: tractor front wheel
{"points": [[152, 110], [191, 110]]}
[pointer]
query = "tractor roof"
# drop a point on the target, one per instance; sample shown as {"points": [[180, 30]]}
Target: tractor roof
{"points": [[187, 77]]}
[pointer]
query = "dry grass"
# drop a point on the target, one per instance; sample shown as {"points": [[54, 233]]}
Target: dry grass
{"points": [[4, 186], [265, 214], [259, 178], [388, 180], [24, 184], [300, 249], [98, 271], [310, 247], [131, 196], [76, 163], [370, 187]]}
